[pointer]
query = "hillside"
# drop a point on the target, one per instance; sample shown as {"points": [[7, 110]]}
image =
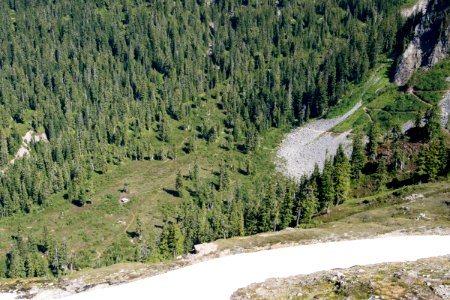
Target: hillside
{"points": [[146, 89], [420, 210], [132, 131]]}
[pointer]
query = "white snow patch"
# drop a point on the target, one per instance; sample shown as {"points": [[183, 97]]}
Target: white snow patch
{"points": [[310, 144], [52, 294], [219, 278], [8, 296]]}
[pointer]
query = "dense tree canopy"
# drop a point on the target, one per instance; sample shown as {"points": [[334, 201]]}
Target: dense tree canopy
{"points": [[106, 80], [102, 77]]}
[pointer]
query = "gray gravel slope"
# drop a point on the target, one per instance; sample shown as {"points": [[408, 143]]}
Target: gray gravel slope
{"points": [[310, 144]]}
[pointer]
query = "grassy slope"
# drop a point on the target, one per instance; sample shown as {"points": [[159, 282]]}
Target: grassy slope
{"points": [[95, 227], [386, 104], [384, 213]]}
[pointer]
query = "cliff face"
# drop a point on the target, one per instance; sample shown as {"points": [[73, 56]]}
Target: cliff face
{"points": [[431, 42]]}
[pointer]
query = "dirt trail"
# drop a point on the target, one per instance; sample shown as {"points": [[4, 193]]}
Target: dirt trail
{"points": [[310, 144], [366, 111], [420, 99], [444, 104], [112, 238]]}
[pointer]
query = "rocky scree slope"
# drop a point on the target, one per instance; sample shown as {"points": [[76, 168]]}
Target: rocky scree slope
{"points": [[309, 145]]}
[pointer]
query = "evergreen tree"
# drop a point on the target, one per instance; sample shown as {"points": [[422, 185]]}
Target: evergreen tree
{"points": [[164, 133], [286, 209], [224, 179], [398, 157], [358, 159], [326, 187], [432, 124], [176, 242], [172, 241], [196, 177], [139, 228], [251, 140], [236, 215], [341, 176], [309, 204], [433, 159], [372, 145], [58, 258], [179, 185], [381, 176], [16, 264]]}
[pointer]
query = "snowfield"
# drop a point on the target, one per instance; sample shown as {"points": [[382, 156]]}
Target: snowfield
{"points": [[310, 144], [219, 278]]}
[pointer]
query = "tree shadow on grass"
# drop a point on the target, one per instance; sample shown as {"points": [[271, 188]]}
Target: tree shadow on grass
{"points": [[171, 192], [132, 234]]}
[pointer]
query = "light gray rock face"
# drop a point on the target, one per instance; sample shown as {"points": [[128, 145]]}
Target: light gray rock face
{"points": [[411, 61], [419, 7], [445, 109], [431, 42]]}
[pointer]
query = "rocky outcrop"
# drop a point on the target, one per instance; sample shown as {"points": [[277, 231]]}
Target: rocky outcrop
{"points": [[431, 42], [445, 110], [419, 7], [27, 139]]}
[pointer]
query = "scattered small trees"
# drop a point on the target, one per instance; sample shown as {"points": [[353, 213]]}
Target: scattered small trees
{"points": [[27, 259]]}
